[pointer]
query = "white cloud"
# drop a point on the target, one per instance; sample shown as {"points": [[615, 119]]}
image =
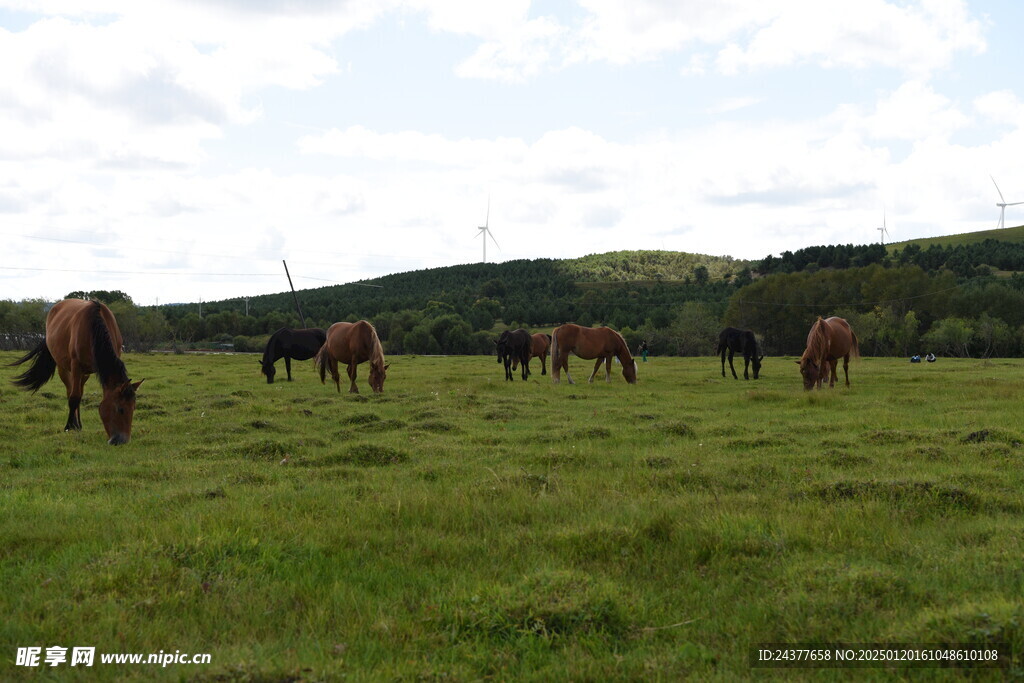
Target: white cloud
{"points": [[914, 112], [1001, 106], [914, 38]]}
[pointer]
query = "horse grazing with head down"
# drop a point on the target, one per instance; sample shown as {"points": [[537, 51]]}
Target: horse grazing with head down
{"points": [[288, 344], [513, 348], [352, 344], [82, 338], [734, 340], [827, 342], [602, 343]]}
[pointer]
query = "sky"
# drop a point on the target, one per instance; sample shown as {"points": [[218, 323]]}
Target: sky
{"points": [[180, 150]]}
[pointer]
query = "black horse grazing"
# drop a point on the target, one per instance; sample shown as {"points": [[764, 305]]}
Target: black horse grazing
{"points": [[297, 344], [734, 340], [518, 345]]}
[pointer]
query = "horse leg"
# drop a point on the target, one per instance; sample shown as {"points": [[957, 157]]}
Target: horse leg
{"points": [[846, 368], [723, 362], [352, 376], [746, 366], [509, 377], [288, 366], [597, 366], [543, 364], [731, 366], [832, 377], [608, 369], [526, 367], [75, 384]]}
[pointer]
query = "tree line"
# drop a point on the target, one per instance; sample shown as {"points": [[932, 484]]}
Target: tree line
{"points": [[942, 299]]}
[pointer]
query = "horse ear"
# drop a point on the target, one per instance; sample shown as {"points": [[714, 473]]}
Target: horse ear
{"points": [[136, 385], [387, 365]]}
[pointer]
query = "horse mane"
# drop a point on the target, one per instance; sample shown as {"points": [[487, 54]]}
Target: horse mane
{"points": [[817, 342], [377, 352], [623, 349], [108, 366]]}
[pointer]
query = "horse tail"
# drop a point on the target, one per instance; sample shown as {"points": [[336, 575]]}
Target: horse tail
{"points": [[855, 345], [554, 353], [320, 363], [41, 370]]}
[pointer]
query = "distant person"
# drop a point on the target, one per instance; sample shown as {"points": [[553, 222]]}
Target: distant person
{"points": [[915, 359], [642, 350], [930, 357]]}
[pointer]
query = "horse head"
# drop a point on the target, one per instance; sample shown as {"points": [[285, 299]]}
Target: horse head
{"points": [[268, 370], [378, 373], [755, 361], [629, 372], [116, 410], [810, 371]]}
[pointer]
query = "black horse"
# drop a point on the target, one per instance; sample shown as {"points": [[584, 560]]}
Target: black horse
{"points": [[735, 340], [518, 345], [289, 343]]}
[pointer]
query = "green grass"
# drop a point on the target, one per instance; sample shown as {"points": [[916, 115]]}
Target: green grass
{"points": [[458, 526]]}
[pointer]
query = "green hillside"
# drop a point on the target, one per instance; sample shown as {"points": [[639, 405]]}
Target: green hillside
{"points": [[1014, 235]]}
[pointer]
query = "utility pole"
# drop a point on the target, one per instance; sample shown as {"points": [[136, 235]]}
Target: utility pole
{"points": [[294, 295]]}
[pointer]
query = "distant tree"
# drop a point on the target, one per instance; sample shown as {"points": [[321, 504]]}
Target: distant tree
{"points": [[107, 297]]}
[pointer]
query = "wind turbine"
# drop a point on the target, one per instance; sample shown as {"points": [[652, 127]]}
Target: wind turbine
{"points": [[1002, 205], [883, 231], [485, 230]]}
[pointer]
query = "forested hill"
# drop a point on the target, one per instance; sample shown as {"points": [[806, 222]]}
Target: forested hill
{"points": [[535, 292], [964, 298]]}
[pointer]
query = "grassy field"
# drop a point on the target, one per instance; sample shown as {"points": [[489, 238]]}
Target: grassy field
{"points": [[460, 527]]}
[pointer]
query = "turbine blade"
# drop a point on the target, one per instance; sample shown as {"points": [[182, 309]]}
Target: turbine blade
{"points": [[1001, 197], [487, 221], [489, 234]]}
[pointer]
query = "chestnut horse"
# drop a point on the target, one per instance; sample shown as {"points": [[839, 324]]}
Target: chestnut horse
{"points": [[82, 338], [827, 342], [352, 344], [589, 343]]}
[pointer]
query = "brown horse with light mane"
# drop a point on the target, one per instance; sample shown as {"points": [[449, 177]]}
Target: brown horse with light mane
{"points": [[82, 338], [602, 343], [352, 344], [827, 342]]}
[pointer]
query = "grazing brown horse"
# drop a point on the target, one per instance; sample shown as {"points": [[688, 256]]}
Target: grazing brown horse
{"points": [[540, 343], [589, 343], [82, 338], [352, 344], [827, 342]]}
